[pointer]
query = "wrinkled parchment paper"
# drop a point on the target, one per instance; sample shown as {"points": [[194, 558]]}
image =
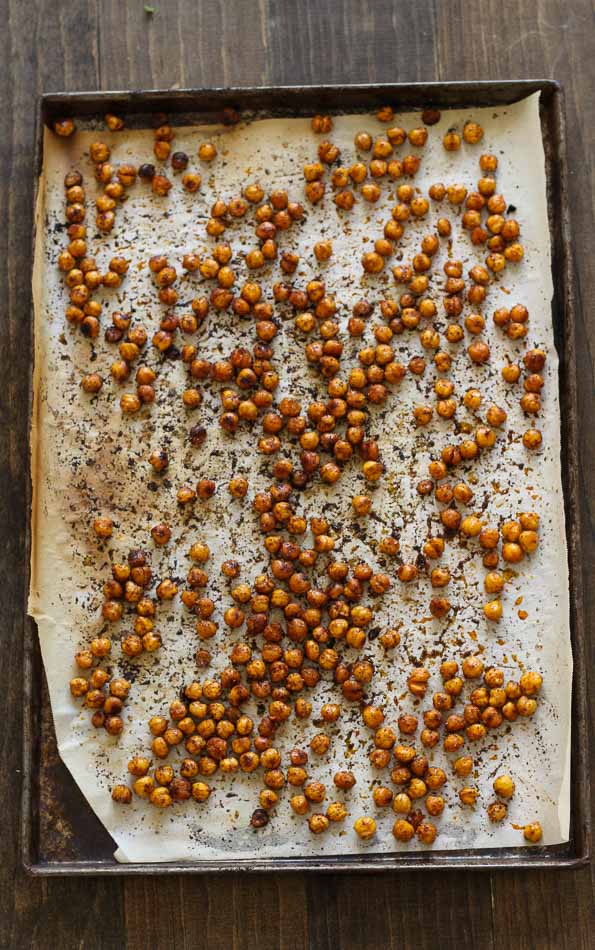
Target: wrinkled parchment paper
{"points": [[89, 460]]}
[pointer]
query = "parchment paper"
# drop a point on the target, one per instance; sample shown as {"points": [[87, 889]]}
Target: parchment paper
{"points": [[87, 459]]}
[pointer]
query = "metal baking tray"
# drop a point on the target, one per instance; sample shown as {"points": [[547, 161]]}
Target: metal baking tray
{"points": [[60, 833]]}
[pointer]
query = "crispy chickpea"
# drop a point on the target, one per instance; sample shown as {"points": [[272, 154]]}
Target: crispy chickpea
{"points": [[497, 812], [401, 804], [504, 786], [191, 182], [532, 439], [403, 830], [121, 794], [207, 151], [144, 786], [532, 832], [200, 791], [344, 780], [493, 610], [320, 744], [103, 527], [451, 141], [318, 823], [468, 795], [426, 832], [299, 804], [531, 683], [365, 828]]}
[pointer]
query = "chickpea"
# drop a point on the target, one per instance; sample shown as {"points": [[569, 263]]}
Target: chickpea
{"points": [[451, 141], [160, 185], [403, 830], [531, 683], [532, 439], [103, 527], [497, 812], [207, 151], [532, 832], [468, 795], [336, 811], [320, 744], [463, 766], [504, 786], [318, 823], [191, 182], [426, 832], [121, 794], [344, 780], [472, 133], [493, 610], [365, 828], [143, 787]]}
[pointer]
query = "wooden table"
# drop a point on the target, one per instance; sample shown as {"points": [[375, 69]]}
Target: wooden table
{"points": [[110, 44]]}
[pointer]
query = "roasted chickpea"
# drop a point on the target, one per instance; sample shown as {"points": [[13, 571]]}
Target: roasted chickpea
{"points": [[532, 832], [451, 141], [365, 828]]}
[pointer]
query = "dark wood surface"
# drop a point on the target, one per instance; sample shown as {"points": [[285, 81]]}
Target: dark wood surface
{"points": [[114, 44]]}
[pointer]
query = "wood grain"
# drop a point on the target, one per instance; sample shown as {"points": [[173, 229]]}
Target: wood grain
{"points": [[84, 44]]}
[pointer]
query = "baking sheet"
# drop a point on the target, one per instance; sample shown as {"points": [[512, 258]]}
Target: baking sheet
{"points": [[67, 572]]}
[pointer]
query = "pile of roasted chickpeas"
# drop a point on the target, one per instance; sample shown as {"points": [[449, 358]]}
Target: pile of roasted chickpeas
{"points": [[309, 607]]}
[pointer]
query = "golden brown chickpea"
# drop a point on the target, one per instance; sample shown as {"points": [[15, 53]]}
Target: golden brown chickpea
{"points": [[365, 828], [161, 185], [532, 832], [468, 795], [497, 812], [504, 786], [401, 804], [479, 352], [79, 686], [164, 774], [493, 610], [191, 182], [363, 141], [532, 439], [531, 683], [318, 823], [121, 794], [320, 744], [207, 151], [200, 791], [144, 786], [299, 804], [382, 796], [160, 797], [403, 830], [463, 766], [344, 780]]}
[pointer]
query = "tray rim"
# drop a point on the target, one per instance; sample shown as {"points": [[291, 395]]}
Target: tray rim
{"points": [[576, 852]]}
